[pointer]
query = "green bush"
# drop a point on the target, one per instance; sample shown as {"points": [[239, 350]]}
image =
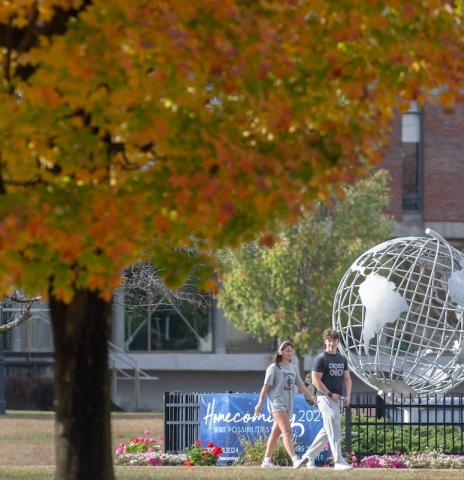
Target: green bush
{"points": [[253, 453], [384, 437]]}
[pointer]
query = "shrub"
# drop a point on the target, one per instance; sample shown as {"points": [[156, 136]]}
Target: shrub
{"points": [[29, 393], [204, 456], [387, 437], [253, 452]]}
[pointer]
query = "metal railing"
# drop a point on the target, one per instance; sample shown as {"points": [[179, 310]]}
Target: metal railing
{"points": [[385, 425], [124, 367], [181, 420], [373, 424]]}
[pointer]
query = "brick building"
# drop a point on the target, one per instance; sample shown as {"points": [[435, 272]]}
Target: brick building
{"points": [[426, 163]]}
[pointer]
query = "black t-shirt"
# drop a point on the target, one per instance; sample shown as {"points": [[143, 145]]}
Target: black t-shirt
{"points": [[332, 366]]}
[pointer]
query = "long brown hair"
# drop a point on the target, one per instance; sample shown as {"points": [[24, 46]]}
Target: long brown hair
{"points": [[282, 347]]}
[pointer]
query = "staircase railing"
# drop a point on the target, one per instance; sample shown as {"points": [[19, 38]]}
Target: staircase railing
{"points": [[124, 367]]}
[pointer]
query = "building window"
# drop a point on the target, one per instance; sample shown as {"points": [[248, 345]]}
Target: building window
{"points": [[411, 154], [242, 342], [164, 324]]}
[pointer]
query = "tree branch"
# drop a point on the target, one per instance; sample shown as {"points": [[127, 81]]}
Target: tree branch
{"points": [[22, 315], [22, 183], [29, 33]]}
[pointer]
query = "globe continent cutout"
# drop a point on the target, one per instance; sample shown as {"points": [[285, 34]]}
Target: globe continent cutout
{"points": [[400, 312]]}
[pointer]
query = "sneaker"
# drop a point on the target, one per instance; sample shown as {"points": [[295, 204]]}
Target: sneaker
{"points": [[342, 466], [311, 464], [309, 461], [300, 462], [267, 463]]}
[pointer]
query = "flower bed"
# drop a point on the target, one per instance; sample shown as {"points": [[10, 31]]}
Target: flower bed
{"points": [[145, 451], [425, 459], [150, 458], [203, 456]]}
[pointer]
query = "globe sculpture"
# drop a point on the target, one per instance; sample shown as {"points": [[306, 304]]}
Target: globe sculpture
{"points": [[400, 311]]}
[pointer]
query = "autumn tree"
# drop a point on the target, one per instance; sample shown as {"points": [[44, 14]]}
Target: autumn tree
{"points": [[287, 291], [131, 129]]}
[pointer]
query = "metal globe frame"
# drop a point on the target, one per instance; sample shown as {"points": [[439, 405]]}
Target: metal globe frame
{"points": [[420, 280]]}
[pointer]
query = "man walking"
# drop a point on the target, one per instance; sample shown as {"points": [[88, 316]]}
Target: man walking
{"points": [[331, 377]]}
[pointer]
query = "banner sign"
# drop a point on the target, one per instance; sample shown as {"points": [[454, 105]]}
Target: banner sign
{"points": [[227, 418]]}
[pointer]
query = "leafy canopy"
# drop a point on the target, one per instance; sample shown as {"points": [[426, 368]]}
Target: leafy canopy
{"points": [[144, 125], [287, 291]]}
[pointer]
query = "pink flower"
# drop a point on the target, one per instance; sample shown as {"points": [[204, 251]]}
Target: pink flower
{"points": [[121, 448], [210, 444], [197, 442], [146, 432], [155, 461], [150, 449]]}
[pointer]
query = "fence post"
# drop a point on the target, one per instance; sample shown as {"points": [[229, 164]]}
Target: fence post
{"points": [[181, 424], [137, 389], [167, 418], [348, 428]]}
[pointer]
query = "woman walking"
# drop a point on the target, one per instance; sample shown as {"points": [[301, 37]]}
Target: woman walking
{"points": [[279, 384]]}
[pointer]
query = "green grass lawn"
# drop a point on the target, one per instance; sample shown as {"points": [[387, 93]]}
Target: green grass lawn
{"points": [[35, 432], [27, 452], [239, 473]]}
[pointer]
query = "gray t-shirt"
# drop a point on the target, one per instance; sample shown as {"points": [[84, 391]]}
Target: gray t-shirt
{"points": [[282, 380]]}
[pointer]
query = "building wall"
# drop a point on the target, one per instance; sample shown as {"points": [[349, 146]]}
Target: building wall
{"points": [[442, 176], [204, 381], [392, 163]]}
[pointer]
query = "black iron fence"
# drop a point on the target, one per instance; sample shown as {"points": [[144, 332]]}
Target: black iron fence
{"points": [[388, 424], [181, 423], [373, 424]]}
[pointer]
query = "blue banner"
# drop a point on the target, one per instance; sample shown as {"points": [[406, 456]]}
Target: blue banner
{"points": [[226, 418]]}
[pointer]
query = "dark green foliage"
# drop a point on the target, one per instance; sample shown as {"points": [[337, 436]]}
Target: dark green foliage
{"points": [[382, 436], [287, 291]]}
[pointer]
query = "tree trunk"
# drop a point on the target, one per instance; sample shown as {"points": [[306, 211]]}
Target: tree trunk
{"points": [[82, 389], [300, 362]]}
